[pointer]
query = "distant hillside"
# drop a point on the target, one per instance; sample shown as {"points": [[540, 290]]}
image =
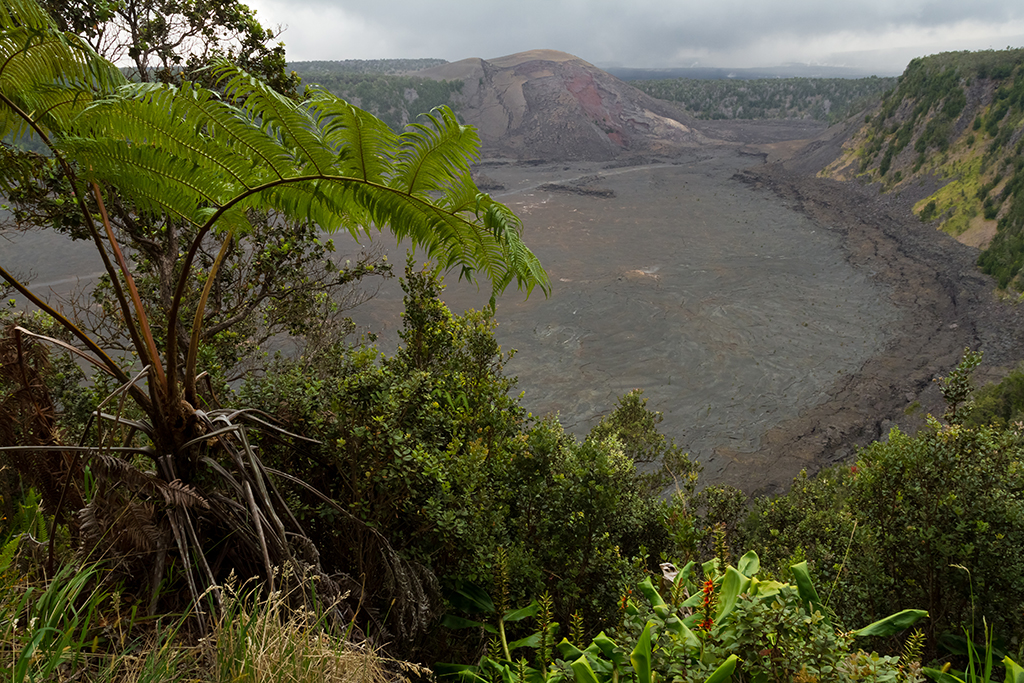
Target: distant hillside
{"points": [[382, 86], [821, 99], [394, 67], [951, 134], [753, 73], [552, 105]]}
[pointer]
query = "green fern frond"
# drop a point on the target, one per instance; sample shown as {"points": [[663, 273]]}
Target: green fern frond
{"points": [[364, 146], [293, 126], [435, 157], [46, 76], [188, 153]]}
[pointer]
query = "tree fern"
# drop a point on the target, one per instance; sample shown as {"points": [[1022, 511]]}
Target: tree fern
{"points": [[179, 150], [187, 154]]}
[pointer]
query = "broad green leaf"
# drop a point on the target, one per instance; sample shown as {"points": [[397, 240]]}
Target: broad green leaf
{"points": [[465, 673], [609, 649], [805, 587], [641, 656], [710, 568], [764, 589], [723, 672], [468, 597], [892, 624], [520, 614], [453, 622], [534, 639], [693, 600], [583, 672], [568, 650], [693, 620], [683, 632], [1014, 671], [650, 592], [749, 564], [940, 676], [684, 575], [732, 586]]}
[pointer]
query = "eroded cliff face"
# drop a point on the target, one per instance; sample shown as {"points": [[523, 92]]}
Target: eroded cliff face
{"points": [[552, 105]]}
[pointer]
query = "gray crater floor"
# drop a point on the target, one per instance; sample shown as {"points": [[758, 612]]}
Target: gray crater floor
{"points": [[732, 311]]}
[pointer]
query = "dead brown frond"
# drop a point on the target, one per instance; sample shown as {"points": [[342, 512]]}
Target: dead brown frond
{"points": [[28, 417]]}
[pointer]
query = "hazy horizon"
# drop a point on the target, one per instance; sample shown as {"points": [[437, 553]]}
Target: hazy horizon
{"points": [[869, 36]]}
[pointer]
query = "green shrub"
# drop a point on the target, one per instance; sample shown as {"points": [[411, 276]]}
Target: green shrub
{"points": [[999, 404], [928, 212], [428, 450], [883, 533], [712, 623]]}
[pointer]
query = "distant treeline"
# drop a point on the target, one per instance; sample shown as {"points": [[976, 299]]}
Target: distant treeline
{"points": [[395, 100], [364, 66], [821, 99], [381, 86]]}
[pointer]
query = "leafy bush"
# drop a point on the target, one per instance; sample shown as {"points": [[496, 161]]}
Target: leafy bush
{"points": [[713, 623], [427, 450], [883, 533], [928, 212], [999, 404]]}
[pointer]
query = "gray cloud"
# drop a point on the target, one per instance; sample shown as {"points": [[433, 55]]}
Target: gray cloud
{"points": [[730, 33]]}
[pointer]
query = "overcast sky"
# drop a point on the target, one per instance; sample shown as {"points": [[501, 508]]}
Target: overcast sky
{"points": [[879, 36]]}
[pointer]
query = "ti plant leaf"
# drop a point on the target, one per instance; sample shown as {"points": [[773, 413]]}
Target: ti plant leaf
{"points": [[723, 672], [892, 624], [641, 657], [805, 586]]}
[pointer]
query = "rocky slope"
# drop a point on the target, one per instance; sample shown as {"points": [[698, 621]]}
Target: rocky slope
{"points": [[950, 141], [554, 106]]}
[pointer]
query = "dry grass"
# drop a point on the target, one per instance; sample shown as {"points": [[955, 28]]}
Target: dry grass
{"points": [[45, 635], [266, 641]]}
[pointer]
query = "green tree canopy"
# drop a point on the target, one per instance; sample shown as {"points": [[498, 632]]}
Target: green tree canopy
{"points": [[211, 161]]}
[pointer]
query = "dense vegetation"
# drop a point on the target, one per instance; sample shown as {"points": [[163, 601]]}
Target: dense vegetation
{"points": [[396, 100], [394, 67], [162, 524], [958, 117], [382, 86], [821, 99]]}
